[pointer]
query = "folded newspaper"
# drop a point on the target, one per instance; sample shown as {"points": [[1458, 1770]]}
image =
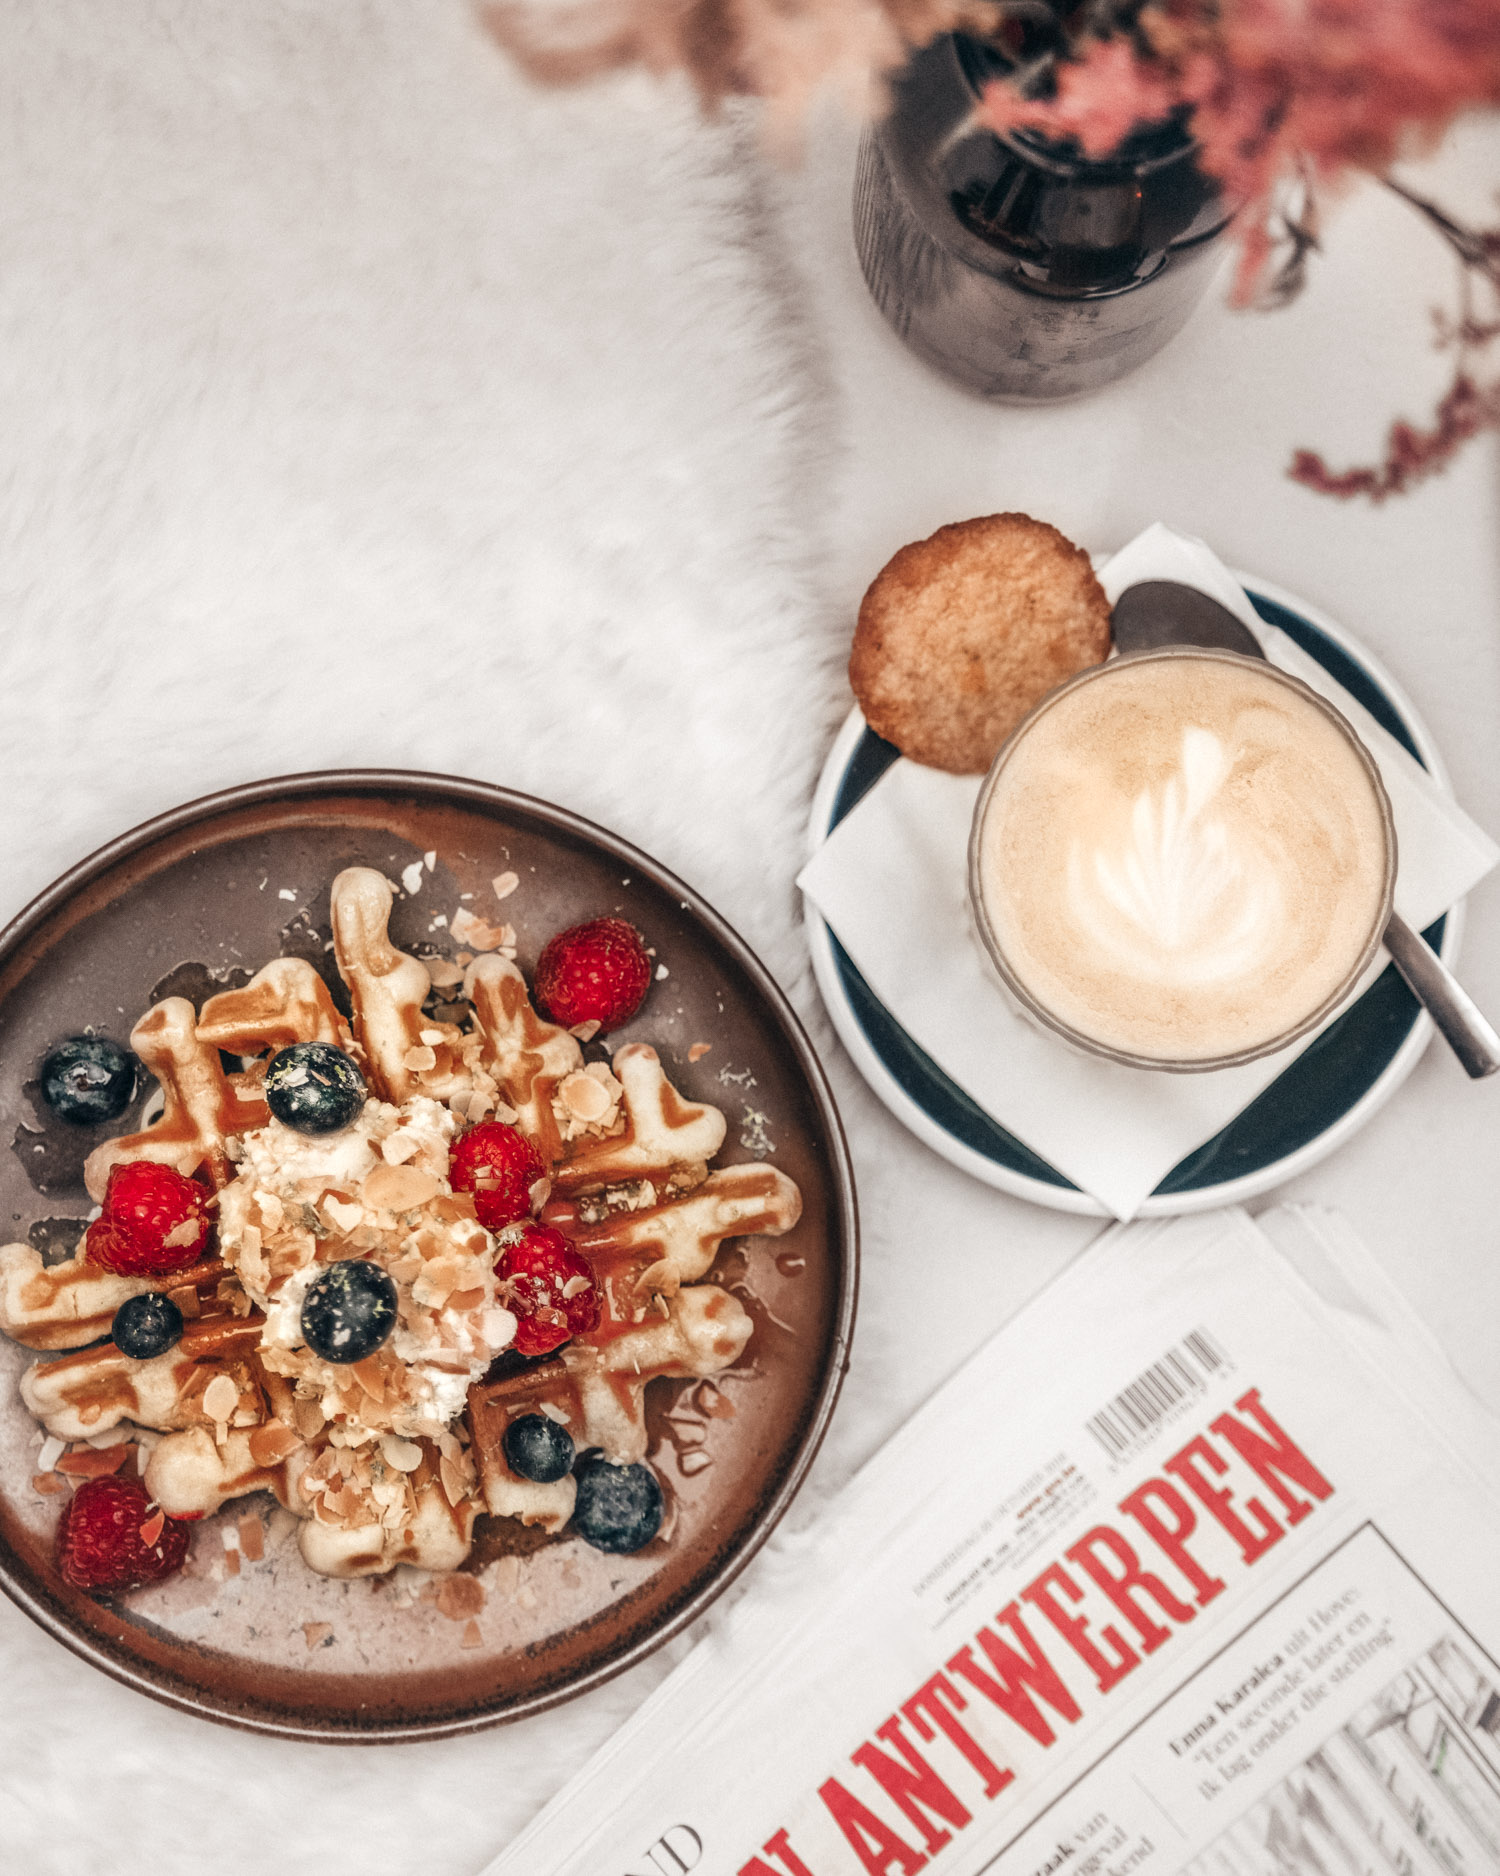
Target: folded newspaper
{"points": [[1195, 1567]]}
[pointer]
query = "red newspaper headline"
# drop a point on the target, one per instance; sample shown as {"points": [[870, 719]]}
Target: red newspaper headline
{"points": [[1104, 1605]]}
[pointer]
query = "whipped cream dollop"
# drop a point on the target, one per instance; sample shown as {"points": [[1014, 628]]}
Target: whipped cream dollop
{"points": [[377, 1189], [1184, 858]]}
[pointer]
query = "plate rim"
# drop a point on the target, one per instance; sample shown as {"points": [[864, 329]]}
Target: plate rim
{"points": [[918, 1121], [486, 795]]}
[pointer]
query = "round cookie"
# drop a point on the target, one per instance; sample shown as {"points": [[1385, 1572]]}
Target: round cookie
{"points": [[961, 634]]}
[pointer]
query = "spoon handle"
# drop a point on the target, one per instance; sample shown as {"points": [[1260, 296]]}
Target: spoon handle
{"points": [[1446, 1001]]}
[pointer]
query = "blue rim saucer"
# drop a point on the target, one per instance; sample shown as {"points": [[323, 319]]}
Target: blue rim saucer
{"points": [[1316, 1103]]}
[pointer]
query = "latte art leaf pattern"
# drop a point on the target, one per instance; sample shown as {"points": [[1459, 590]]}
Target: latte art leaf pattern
{"points": [[1176, 898]]}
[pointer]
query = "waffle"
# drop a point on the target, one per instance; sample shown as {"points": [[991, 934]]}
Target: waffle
{"points": [[651, 1328], [391, 1459], [202, 1109]]}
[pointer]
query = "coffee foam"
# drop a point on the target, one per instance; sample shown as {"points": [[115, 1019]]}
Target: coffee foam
{"points": [[1183, 858]]}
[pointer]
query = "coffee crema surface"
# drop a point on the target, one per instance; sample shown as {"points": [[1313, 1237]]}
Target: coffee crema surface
{"points": [[1184, 857]]}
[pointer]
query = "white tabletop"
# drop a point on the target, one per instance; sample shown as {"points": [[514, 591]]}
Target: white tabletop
{"points": [[513, 408]]}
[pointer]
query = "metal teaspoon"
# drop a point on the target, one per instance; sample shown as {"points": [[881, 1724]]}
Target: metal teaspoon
{"points": [[1154, 613]]}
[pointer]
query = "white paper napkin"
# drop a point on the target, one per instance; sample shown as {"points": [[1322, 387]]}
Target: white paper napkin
{"points": [[890, 880]]}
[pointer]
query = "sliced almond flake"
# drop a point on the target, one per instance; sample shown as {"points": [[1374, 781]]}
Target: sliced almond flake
{"points": [[553, 1412], [316, 1633], [432, 1036], [429, 859], [507, 1577], [662, 972], [586, 1032], [698, 1051], [245, 1417], [189, 1232], [187, 1301], [343, 1214], [370, 1376], [52, 1450], [400, 1455], [399, 1188], [443, 973], [465, 1300], [325, 1466], [453, 1480], [252, 1537], [229, 1536], [398, 1147], [411, 878], [471, 1637], [93, 1462], [475, 933], [575, 1286], [602, 1074], [48, 1484], [419, 1058], [583, 1096], [220, 1398], [153, 1528], [459, 1597], [504, 884], [274, 1442], [309, 1417]]}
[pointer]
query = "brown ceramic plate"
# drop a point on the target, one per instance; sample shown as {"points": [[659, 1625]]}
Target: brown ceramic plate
{"points": [[202, 897]]}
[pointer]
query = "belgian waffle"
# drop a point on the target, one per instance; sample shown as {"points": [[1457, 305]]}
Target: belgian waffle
{"points": [[391, 1459]]}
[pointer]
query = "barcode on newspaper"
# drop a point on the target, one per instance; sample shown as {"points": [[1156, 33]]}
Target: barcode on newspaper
{"points": [[1153, 1396]]}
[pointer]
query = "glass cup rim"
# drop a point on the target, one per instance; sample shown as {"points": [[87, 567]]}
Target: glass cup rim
{"points": [[1128, 1058]]}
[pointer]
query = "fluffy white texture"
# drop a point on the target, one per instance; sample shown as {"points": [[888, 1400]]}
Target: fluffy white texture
{"points": [[276, 1157], [284, 1313], [359, 406], [363, 406]]}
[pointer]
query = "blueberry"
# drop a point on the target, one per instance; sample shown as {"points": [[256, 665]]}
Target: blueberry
{"points": [[146, 1325], [348, 1311], [314, 1087], [88, 1079], [538, 1448], [619, 1507]]}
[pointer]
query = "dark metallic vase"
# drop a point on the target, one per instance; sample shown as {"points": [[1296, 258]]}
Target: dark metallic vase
{"points": [[1012, 263]]}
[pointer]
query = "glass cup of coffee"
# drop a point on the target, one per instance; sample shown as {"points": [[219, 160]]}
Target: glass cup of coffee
{"points": [[1183, 859]]}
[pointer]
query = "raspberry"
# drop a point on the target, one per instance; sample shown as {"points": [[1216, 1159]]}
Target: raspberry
{"points": [[537, 1270], [499, 1165], [99, 1537], [598, 972], [154, 1222]]}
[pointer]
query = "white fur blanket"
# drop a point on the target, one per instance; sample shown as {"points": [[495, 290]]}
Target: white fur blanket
{"points": [[358, 406]]}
